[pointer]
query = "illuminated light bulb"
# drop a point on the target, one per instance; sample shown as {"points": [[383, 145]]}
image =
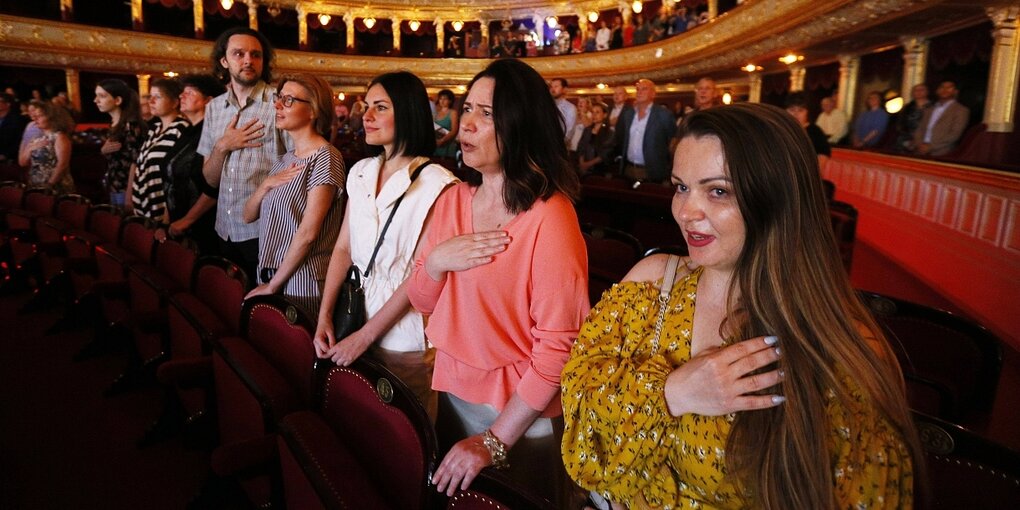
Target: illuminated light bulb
{"points": [[894, 105], [227, 4], [593, 16], [369, 22], [727, 98], [461, 88], [552, 21], [413, 25], [791, 58], [750, 68], [324, 19], [458, 25], [341, 96], [600, 86], [637, 6]]}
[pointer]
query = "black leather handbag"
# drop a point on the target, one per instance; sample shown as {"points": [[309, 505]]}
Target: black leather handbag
{"points": [[349, 314]]}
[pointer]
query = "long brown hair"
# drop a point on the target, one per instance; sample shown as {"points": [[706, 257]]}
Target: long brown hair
{"points": [[789, 282]]}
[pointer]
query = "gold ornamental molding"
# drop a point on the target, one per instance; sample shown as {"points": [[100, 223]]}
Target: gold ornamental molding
{"points": [[754, 30], [449, 10]]}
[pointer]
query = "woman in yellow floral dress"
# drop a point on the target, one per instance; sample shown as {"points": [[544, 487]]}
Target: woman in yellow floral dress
{"points": [[753, 378]]}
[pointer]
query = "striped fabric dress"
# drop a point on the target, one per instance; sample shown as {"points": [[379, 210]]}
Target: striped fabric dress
{"points": [[281, 212], [148, 194]]}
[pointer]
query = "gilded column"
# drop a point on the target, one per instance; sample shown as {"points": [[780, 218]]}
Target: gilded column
{"points": [[143, 84], [73, 87], [199, 13], [349, 31], [754, 87], [797, 73], [1004, 73], [302, 27], [440, 35], [849, 68], [137, 22], [915, 61], [539, 22], [67, 10], [582, 24], [253, 15], [484, 24], [713, 9], [396, 33]]}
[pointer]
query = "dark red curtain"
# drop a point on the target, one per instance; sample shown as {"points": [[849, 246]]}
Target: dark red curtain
{"points": [[381, 25], [426, 28], [286, 17], [886, 66], [822, 77], [239, 10], [775, 84], [180, 4], [961, 47]]}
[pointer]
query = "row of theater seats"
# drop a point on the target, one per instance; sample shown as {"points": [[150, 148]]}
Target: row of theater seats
{"points": [[309, 434], [294, 432]]}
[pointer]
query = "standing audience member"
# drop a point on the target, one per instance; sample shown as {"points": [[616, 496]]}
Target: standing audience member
{"points": [[568, 112], [642, 29], [503, 273], [596, 146], [642, 136], [706, 94], [125, 137], [619, 103], [871, 123], [758, 379], [400, 127], [603, 36], [910, 117], [147, 178], [797, 105], [583, 121], [942, 126], [190, 199], [617, 41], [144, 110], [448, 119], [11, 127], [240, 142], [832, 121], [48, 156], [299, 204], [32, 130]]}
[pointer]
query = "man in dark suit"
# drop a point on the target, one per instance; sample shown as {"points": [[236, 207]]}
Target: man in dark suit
{"points": [[943, 124], [642, 136]]}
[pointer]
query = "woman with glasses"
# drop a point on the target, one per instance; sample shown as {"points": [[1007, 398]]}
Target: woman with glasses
{"points": [[398, 127], [147, 178], [299, 202]]}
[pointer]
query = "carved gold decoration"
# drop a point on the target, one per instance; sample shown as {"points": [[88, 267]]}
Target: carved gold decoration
{"points": [[915, 60], [849, 67], [1004, 74]]}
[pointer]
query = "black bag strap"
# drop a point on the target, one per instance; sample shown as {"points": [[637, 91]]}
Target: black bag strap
{"points": [[382, 235]]}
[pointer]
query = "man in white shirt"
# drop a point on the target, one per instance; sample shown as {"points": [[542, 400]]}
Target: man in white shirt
{"points": [[833, 122], [558, 89], [619, 103], [642, 136], [603, 36], [943, 124]]}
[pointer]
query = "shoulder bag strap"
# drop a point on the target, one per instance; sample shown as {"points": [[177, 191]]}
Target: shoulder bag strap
{"points": [[382, 235], [664, 290]]}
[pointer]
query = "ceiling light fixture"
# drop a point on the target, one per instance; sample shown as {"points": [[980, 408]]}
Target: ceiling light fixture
{"points": [[369, 22], [601, 86], [727, 98], [324, 19], [273, 10], [637, 6], [552, 21], [750, 68], [414, 25], [593, 16], [227, 4], [791, 58], [341, 96], [458, 25]]}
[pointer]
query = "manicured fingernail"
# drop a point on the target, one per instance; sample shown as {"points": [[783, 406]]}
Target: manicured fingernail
{"points": [[778, 399], [779, 351], [771, 340]]}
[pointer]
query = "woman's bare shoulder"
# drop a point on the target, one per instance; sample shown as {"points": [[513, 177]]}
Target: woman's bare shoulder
{"points": [[651, 268]]}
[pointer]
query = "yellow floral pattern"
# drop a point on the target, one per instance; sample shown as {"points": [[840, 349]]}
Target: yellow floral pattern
{"points": [[621, 441]]}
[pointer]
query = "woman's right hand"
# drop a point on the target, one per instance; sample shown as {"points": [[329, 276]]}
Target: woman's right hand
{"points": [[279, 179], [465, 252], [716, 381]]}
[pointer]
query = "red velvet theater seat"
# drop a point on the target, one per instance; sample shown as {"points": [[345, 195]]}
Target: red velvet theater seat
{"points": [[492, 490]]}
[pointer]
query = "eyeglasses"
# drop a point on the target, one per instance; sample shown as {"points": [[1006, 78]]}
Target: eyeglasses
{"points": [[288, 100]]}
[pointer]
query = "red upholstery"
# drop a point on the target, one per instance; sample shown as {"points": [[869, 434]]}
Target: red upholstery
{"points": [[492, 490], [611, 254], [104, 223]]}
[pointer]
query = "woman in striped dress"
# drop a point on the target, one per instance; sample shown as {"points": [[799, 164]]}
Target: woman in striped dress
{"points": [[299, 204], [147, 178]]}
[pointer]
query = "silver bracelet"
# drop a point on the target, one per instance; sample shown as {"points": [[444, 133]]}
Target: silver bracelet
{"points": [[497, 449]]}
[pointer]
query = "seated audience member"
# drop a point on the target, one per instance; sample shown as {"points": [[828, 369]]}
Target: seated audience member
{"points": [[503, 273], [596, 145], [299, 204], [399, 128], [125, 137], [147, 178], [871, 123], [48, 155], [832, 121], [910, 117], [797, 105], [941, 126], [190, 199], [774, 388], [11, 127], [642, 136]]}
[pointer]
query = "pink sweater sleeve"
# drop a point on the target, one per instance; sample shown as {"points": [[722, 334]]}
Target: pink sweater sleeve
{"points": [[422, 290]]}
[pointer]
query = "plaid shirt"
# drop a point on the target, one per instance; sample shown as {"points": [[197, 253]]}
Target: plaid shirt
{"points": [[244, 169]]}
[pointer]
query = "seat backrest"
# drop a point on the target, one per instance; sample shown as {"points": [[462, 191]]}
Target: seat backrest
{"points": [[964, 469], [611, 254], [384, 425], [39, 200], [844, 228], [136, 236], [282, 333], [176, 258], [12, 194], [221, 286], [492, 490], [105, 222], [942, 354], [73, 210]]}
